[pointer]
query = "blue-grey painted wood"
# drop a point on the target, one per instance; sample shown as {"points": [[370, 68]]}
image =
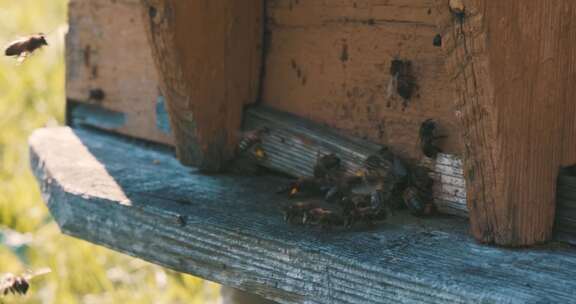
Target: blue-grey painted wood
{"points": [[94, 115], [141, 201]]}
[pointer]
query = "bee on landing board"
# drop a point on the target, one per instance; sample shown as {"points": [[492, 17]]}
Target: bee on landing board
{"points": [[323, 217], [23, 47], [294, 213], [327, 166], [378, 166], [304, 186]]}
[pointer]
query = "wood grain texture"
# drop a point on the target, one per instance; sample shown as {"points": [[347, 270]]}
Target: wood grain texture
{"points": [[107, 51], [329, 61], [512, 69], [229, 230], [207, 54]]}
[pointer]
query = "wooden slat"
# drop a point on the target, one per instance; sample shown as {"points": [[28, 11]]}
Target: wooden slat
{"points": [[293, 143], [207, 54], [229, 230]]}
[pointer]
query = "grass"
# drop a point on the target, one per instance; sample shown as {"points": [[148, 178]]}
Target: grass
{"points": [[32, 96]]}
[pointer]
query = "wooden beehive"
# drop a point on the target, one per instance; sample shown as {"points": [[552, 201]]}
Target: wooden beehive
{"points": [[502, 99], [495, 75]]}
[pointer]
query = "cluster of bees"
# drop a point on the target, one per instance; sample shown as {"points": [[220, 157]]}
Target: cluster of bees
{"points": [[331, 197], [384, 183]]}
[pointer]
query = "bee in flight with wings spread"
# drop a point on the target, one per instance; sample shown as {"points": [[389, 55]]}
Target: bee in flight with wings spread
{"points": [[18, 285], [23, 47]]}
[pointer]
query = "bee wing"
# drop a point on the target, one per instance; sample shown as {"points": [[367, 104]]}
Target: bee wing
{"points": [[22, 57], [42, 271], [392, 85]]}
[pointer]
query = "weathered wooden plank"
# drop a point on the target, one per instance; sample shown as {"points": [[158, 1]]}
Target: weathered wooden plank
{"points": [[512, 78], [109, 65], [206, 78], [229, 230]]}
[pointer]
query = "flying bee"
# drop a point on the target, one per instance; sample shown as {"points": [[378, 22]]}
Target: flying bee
{"points": [[10, 283], [22, 48], [428, 138]]}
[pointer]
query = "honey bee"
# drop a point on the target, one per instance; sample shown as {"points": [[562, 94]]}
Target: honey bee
{"points": [[18, 285], [326, 218], [294, 213], [251, 143], [402, 79], [342, 186], [249, 153], [327, 166], [22, 48], [416, 203], [334, 194], [364, 208], [437, 41], [378, 166], [307, 186], [428, 138]]}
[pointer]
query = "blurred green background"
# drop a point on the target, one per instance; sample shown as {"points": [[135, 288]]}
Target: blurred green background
{"points": [[32, 96]]}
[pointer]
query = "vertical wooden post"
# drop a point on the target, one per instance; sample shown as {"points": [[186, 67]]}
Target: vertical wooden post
{"points": [[207, 53], [513, 62]]}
